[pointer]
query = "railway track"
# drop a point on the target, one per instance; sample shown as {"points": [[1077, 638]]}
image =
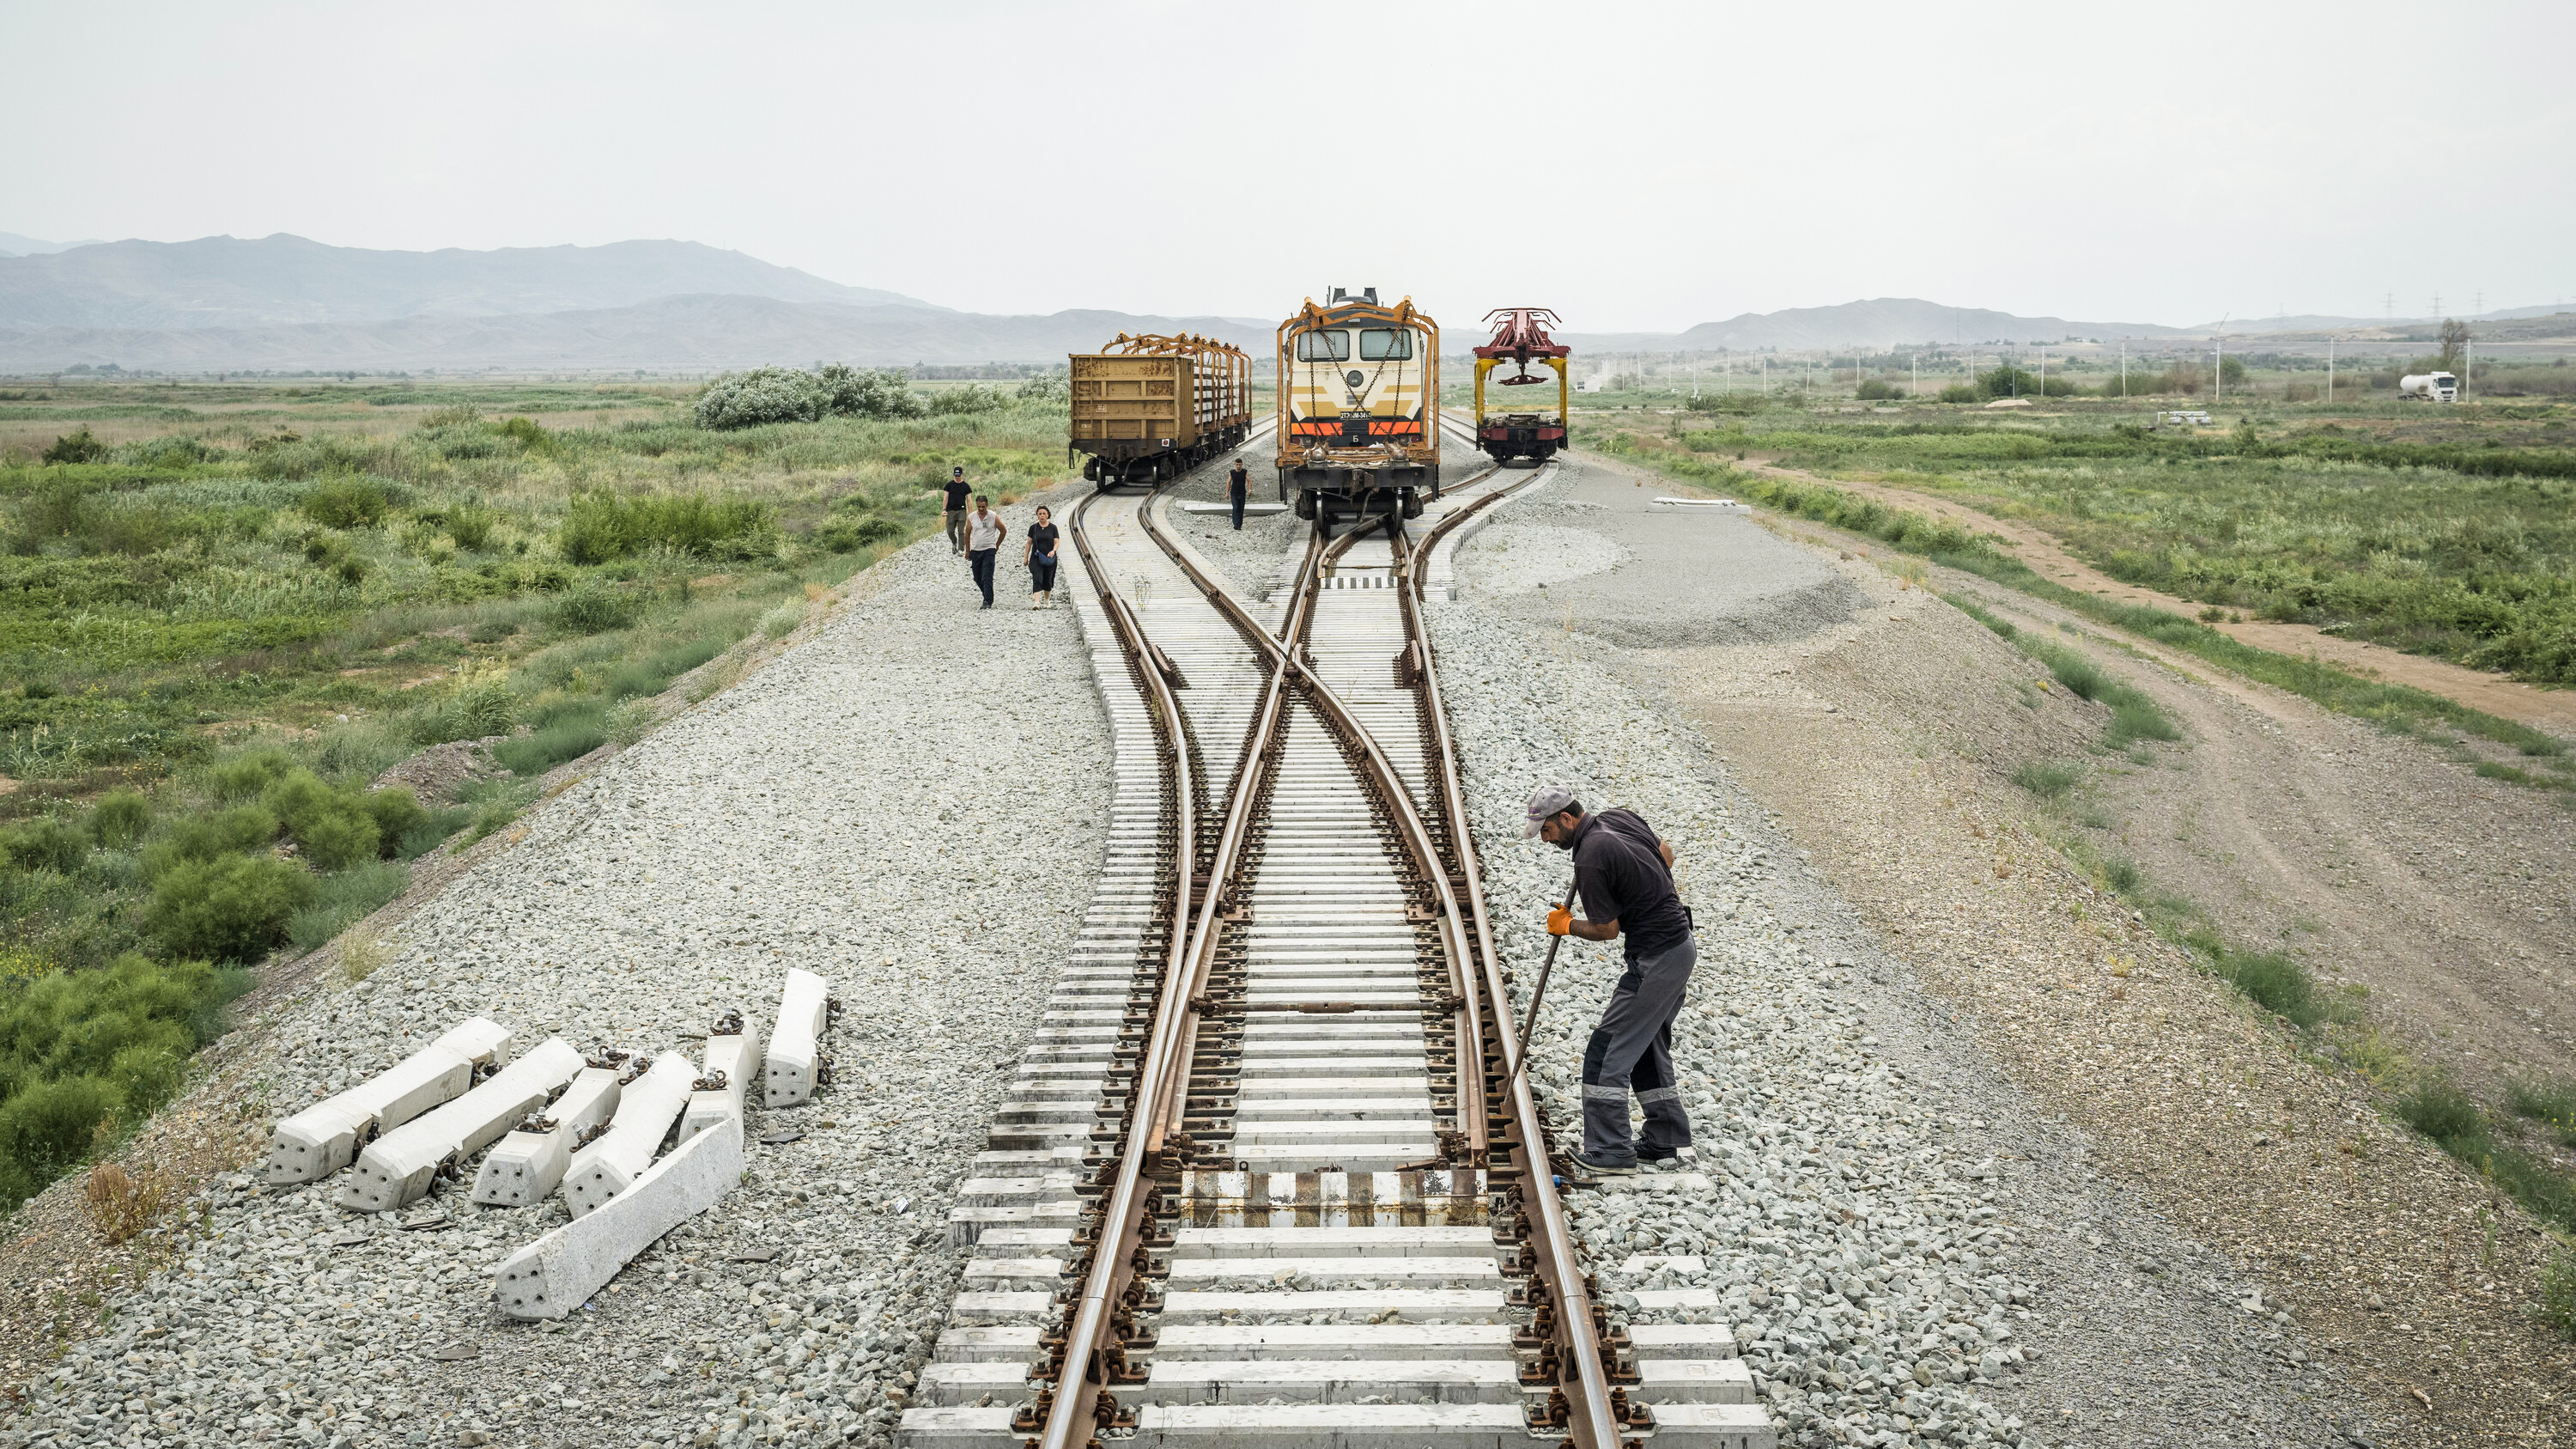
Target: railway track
{"points": [[1266, 1175]]}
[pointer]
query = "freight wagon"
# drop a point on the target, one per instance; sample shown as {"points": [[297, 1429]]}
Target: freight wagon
{"points": [[1150, 408], [1358, 387]]}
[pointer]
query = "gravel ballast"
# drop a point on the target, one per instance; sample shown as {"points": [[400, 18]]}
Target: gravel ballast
{"points": [[1907, 1250], [908, 805]]}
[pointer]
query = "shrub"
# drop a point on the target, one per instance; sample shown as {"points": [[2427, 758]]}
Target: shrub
{"points": [[2557, 1306], [2442, 1112], [77, 446], [595, 611], [2081, 676], [2048, 779], [210, 835], [120, 818], [2551, 1102], [847, 536], [570, 735], [333, 829], [121, 1204], [476, 710], [2139, 720], [229, 909], [1054, 388], [396, 812], [1874, 389], [471, 528], [347, 503], [601, 526], [343, 900], [2276, 983], [762, 395], [80, 1048], [856, 393], [2122, 874], [1958, 392], [528, 433], [974, 397], [782, 620], [45, 1127], [46, 844], [246, 775], [435, 826]]}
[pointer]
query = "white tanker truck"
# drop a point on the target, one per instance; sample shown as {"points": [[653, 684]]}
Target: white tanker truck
{"points": [[2428, 387]]}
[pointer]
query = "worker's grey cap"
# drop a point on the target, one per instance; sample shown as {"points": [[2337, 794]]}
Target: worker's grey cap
{"points": [[1550, 800]]}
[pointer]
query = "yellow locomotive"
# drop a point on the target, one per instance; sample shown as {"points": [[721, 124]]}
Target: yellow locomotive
{"points": [[1359, 397]]}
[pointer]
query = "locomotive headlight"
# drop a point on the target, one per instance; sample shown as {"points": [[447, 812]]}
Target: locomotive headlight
{"points": [[1355, 377]]}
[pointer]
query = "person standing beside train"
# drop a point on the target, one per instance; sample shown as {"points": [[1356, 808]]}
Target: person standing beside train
{"points": [[1237, 483], [1040, 557], [954, 514], [985, 531]]}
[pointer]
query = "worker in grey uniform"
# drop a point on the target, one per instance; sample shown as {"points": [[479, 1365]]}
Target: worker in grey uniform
{"points": [[1623, 878]]}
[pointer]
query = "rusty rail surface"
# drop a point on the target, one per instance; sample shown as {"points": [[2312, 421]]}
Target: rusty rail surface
{"points": [[1508, 1140], [1091, 1354]]}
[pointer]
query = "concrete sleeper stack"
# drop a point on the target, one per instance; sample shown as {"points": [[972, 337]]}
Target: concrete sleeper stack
{"points": [[645, 1111], [533, 1158], [399, 1166], [327, 1136]]}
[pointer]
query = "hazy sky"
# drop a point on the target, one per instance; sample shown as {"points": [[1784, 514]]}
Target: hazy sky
{"points": [[1634, 166]]}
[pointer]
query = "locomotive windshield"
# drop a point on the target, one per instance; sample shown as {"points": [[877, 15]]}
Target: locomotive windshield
{"points": [[1323, 347], [1381, 344]]}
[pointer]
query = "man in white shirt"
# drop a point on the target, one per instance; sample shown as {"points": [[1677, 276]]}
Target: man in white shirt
{"points": [[985, 531]]}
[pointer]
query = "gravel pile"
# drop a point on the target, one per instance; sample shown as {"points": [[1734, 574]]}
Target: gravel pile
{"points": [[1894, 1274], [909, 805]]}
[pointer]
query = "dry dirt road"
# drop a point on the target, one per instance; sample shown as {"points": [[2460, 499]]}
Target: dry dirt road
{"points": [[1883, 726], [2553, 710]]}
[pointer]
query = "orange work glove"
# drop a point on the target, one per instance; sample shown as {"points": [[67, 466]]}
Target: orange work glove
{"points": [[1560, 921]]}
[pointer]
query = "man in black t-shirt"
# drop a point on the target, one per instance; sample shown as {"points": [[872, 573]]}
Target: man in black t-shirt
{"points": [[954, 515], [1237, 484], [1623, 876]]}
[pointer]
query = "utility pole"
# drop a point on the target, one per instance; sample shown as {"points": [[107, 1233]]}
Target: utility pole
{"points": [[2043, 374], [2470, 372], [2329, 369], [2124, 369]]}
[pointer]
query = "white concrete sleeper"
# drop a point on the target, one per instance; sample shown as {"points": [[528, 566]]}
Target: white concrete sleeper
{"points": [[327, 1136], [557, 1273], [795, 1049], [646, 1108], [528, 1164], [398, 1167], [732, 1058]]}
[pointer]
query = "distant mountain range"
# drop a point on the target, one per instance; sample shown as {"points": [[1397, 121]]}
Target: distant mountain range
{"points": [[285, 304], [222, 281], [14, 245], [701, 332], [1878, 322]]}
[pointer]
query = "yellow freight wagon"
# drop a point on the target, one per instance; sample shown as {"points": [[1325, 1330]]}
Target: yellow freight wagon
{"points": [[1151, 408]]}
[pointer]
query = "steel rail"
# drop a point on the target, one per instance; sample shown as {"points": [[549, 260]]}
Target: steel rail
{"points": [[1594, 1421], [1288, 656], [1579, 1336], [1092, 1356]]}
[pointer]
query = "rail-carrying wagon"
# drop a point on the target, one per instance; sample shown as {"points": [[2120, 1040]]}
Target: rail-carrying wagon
{"points": [[1152, 407]]}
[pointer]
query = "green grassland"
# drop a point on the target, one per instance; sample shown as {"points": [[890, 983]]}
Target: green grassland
{"points": [[2447, 531], [225, 608]]}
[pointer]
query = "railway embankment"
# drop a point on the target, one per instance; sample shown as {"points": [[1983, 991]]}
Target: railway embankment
{"points": [[910, 805], [2178, 1165]]}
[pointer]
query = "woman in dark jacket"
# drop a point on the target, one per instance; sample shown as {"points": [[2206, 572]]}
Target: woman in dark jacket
{"points": [[1041, 558]]}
